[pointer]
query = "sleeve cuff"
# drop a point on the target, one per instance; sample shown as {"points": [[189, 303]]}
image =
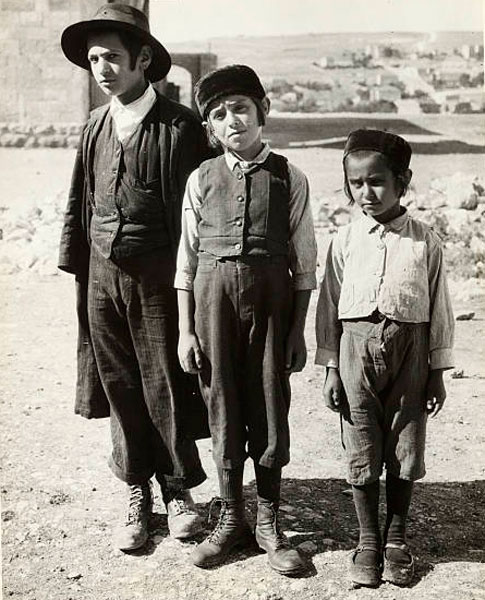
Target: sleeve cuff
{"points": [[183, 281], [441, 358], [304, 281], [326, 357]]}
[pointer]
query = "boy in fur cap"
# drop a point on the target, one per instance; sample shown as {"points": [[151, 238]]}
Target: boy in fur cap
{"points": [[245, 270]]}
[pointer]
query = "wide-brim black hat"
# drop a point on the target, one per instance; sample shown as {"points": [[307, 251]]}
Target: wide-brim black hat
{"points": [[115, 17]]}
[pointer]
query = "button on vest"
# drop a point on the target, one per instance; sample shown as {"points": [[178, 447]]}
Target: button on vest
{"points": [[244, 213]]}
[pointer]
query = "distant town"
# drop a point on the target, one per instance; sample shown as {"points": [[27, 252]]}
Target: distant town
{"points": [[403, 79]]}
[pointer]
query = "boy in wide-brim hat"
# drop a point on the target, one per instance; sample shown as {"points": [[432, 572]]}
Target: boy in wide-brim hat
{"points": [[245, 270], [119, 239]]}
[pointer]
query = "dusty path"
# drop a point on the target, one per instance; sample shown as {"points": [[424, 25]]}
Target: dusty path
{"points": [[59, 501]]}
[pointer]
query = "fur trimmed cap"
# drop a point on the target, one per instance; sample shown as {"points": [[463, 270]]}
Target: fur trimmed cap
{"points": [[233, 79], [391, 145], [115, 17]]}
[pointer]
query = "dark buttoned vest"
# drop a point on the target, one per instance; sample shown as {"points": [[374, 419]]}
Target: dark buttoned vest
{"points": [[244, 213], [128, 213]]}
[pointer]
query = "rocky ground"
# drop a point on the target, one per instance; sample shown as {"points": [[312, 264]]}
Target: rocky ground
{"points": [[60, 502]]}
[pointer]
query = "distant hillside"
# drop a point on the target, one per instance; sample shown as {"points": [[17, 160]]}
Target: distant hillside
{"points": [[291, 57]]}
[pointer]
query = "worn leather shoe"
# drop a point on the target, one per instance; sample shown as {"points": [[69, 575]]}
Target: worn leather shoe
{"points": [[182, 517], [282, 558], [364, 574], [133, 533], [398, 573], [231, 532]]}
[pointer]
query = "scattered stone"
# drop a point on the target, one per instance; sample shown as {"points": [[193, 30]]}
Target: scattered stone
{"points": [[60, 498], [465, 316], [457, 374], [8, 515], [460, 190], [308, 547], [329, 542]]}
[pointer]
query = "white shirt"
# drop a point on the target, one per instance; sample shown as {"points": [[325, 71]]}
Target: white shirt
{"points": [[396, 268], [127, 117]]}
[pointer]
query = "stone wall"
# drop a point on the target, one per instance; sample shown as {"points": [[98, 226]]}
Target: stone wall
{"points": [[38, 84], [45, 98], [23, 135]]}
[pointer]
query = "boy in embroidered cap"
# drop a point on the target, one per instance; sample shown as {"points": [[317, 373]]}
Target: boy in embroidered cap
{"points": [[384, 332], [245, 269], [119, 239]]}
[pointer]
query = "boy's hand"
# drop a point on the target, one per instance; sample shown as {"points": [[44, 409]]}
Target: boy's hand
{"points": [[295, 357], [190, 353], [435, 392], [333, 390]]}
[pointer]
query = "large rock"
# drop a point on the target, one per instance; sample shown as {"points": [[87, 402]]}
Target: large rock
{"points": [[461, 190]]}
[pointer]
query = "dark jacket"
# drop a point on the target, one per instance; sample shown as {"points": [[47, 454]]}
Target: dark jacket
{"points": [[182, 145]]}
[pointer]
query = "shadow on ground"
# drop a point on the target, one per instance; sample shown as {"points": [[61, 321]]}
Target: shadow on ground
{"points": [[445, 523]]}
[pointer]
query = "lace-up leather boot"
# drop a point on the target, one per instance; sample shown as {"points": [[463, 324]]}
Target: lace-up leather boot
{"points": [[182, 517], [232, 531], [281, 556], [134, 532]]}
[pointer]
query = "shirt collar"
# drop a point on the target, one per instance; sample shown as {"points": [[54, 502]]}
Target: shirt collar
{"points": [[127, 117], [233, 161], [396, 224]]}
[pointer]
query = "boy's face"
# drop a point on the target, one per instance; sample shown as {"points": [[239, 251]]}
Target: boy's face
{"points": [[111, 68], [373, 185], [233, 120]]}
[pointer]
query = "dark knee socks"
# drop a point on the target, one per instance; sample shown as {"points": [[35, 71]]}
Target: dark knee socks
{"points": [[398, 498], [268, 484], [231, 483], [398, 495], [366, 501], [169, 489]]}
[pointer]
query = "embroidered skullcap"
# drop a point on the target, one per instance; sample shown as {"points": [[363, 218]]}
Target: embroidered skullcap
{"points": [[391, 145], [226, 81]]}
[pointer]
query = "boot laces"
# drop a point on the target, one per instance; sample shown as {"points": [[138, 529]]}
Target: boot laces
{"points": [[139, 498], [281, 539], [180, 505], [214, 535]]}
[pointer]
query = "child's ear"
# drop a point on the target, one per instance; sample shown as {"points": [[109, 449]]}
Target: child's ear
{"points": [[211, 138], [145, 56], [266, 104], [407, 176]]}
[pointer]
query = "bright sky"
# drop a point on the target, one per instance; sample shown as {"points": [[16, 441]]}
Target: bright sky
{"points": [[184, 20]]}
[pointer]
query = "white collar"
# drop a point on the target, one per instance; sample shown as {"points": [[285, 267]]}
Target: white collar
{"points": [[127, 117], [232, 159]]}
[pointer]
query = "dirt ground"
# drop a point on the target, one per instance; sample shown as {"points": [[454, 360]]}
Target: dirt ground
{"points": [[60, 502]]}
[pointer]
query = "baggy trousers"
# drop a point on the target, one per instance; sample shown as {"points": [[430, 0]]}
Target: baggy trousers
{"points": [[242, 316], [132, 311], [384, 370]]}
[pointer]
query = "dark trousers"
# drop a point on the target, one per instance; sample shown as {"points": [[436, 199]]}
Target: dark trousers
{"points": [[132, 310], [242, 316]]}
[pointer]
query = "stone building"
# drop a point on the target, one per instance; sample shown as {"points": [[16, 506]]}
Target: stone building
{"points": [[40, 88]]}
